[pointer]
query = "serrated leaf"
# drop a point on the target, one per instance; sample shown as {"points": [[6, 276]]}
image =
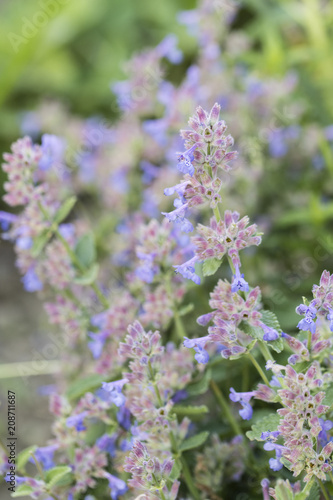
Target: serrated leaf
{"points": [[23, 457], [270, 319], [22, 491], [175, 472], [88, 277], [328, 399], [83, 385], [186, 309], [40, 242], [194, 441], [268, 423], [313, 494], [200, 387], [189, 410], [56, 474], [85, 250], [64, 210], [210, 266]]}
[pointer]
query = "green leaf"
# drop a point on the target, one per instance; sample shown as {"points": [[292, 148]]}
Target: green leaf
{"points": [[268, 423], [270, 319], [55, 475], [210, 266], [85, 250], [23, 457], [40, 242], [283, 491], [186, 309], [285, 462], [175, 472], [189, 410], [83, 385], [64, 210], [89, 276], [22, 491], [328, 399], [200, 387], [313, 494], [194, 441]]}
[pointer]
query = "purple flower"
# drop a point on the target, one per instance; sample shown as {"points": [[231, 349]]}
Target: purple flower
{"points": [[308, 322], [198, 345], [269, 333], [53, 149], [108, 444], [185, 161], [44, 455], [277, 144], [178, 188], [31, 282], [145, 272], [124, 417], [239, 282], [97, 343], [326, 425], [157, 130], [187, 270], [119, 180], [117, 486], [150, 171], [275, 463], [178, 216], [77, 421], [6, 219], [113, 390], [168, 48], [244, 399]]}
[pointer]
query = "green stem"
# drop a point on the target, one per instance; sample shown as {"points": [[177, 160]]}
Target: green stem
{"points": [[259, 369], [39, 468], [323, 489], [217, 213], [152, 376], [162, 495], [308, 486], [265, 351], [309, 341], [188, 479], [179, 326], [225, 407], [331, 476]]}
